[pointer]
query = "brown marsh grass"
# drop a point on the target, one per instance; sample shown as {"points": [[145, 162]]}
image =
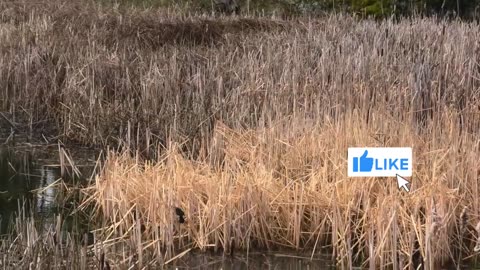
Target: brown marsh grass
{"points": [[249, 120], [35, 244]]}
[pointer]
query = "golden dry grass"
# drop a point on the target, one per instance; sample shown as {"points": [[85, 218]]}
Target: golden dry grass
{"points": [[286, 187]]}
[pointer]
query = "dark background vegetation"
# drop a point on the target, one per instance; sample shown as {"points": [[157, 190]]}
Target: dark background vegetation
{"points": [[102, 75], [467, 9]]}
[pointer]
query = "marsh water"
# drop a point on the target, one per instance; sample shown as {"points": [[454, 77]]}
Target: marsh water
{"points": [[19, 176], [27, 181]]}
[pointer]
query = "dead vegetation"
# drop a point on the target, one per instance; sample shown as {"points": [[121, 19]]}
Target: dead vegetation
{"points": [[282, 187], [249, 120], [45, 244]]}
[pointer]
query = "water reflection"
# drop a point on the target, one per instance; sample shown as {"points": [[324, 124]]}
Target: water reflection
{"points": [[46, 198], [20, 174], [254, 261]]}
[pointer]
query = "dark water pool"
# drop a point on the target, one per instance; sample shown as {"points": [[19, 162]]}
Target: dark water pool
{"points": [[263, 260], [19, 175], [27, 181]]}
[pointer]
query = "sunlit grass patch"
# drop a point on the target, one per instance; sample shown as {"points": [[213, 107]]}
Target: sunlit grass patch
{"points": [[286, 187]]}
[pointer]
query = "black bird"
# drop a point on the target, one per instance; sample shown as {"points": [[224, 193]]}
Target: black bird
{"points": [[104, 265], [180, 214]]}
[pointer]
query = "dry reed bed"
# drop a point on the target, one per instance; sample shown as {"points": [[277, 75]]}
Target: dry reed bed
{"points": [[70, 68], [293, 94], [98, 75], [286, 187]]}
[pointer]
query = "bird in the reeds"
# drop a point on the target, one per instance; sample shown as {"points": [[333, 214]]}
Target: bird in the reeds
{"points": [[104, 265], [180, 214]]}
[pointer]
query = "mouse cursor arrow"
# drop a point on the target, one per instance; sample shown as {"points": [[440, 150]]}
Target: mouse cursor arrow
{"points": [[402, 183]]}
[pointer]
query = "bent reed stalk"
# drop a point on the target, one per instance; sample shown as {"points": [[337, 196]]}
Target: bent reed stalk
{"points": [[253, 117]]}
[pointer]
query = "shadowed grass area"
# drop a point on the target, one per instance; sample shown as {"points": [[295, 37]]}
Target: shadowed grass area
{"points": [[285, 7]]}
